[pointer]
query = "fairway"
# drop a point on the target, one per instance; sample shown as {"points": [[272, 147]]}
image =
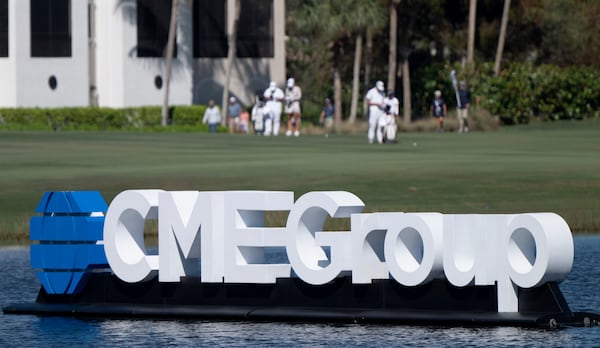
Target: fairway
{"points": [[546, 167]]}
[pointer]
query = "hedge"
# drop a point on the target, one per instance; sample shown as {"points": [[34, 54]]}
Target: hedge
{"points": [[181, 118], [522, 93]]}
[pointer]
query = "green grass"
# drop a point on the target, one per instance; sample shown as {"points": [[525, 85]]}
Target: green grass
{"points": [[546, 167]]}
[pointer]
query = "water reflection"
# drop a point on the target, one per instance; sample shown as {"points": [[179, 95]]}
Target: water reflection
{"points": [[19, 284]]}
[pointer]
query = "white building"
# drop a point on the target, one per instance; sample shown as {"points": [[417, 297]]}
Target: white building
{"points": [[110, 52]]}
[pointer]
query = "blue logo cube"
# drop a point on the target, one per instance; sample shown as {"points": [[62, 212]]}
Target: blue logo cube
{"points": [[70, 246]]}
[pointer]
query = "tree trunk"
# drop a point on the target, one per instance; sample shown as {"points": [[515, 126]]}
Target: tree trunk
{"points": [[502, 37], [356, 79], [368, 57], [337, 98], [471, 41], [406, 93], [393, 52], [231, 53], [169, 61]]}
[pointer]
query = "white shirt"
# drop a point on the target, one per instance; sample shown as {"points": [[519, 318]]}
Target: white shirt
{"points": [[374, 96], [394, 104], [212, 115], [293, 95], [274, 96]]}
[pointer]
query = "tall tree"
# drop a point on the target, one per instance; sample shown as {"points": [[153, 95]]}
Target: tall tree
{"points": [[231, 53], [393, 52], [368, 65], [471, 38], [355, 78], [364, 14], [345, 19], [502, 37], [169, 61]]}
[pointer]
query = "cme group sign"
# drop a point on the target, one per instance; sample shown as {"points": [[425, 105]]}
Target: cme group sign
{"points": [[221, 237]]}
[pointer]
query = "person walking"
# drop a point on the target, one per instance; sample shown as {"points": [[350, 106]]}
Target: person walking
{"points": [[327, 115], [375, 102], [464, 98], [273, 97], [234, 109], [212, 116], [293, 95], [438, 109]]}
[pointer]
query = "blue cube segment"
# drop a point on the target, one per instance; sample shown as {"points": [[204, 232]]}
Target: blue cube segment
{"points": [[70, 239]]}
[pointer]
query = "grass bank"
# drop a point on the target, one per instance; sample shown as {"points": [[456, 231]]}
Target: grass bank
{"points": [[545, 167]]}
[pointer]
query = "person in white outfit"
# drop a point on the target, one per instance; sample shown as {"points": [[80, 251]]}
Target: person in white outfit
{"points": [[375, 101], [392, 110], [293, 94], [212, 116], [273, 96]]}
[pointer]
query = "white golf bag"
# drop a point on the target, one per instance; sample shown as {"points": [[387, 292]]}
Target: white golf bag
{"points": [[389, 128]]}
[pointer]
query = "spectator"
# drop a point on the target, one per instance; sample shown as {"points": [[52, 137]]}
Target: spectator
{"points": [[375, 101], [293, 94], [327, 116], [212, 116], [438, 110], [244, 120], [462, 111], [273, 97], [234, 110]]}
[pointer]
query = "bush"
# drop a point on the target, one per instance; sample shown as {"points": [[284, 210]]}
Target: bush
{"points": [[181, 118], [522, 93]]}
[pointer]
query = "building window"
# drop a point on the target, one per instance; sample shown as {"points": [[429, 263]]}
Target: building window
{"points": [[210, 33], [153, 19], [255, 29], [3, 28], [50, 28]]}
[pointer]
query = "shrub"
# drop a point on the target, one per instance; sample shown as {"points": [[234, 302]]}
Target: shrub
{"points": [[181, 118], [522, 93]]}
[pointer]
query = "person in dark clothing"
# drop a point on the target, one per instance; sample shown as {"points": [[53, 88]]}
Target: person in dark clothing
{"points": [[438, 109], [462, 110]]}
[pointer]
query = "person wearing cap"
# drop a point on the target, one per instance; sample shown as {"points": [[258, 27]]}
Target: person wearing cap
{"points": [[438, 109], [293, 94], [327, 115], [234, 109], [375, 101], [462, 111], [273, 97]]}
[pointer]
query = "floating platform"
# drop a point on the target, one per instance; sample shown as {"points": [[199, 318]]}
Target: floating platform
{"points": [[383, 301]]}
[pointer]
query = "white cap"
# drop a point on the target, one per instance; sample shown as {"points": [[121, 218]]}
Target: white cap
{"points": [[379, 85], [291, 82], [232, 100], [272, 84], [437, 93]]}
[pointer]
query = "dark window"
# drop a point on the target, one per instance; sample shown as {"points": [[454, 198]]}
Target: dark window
{"points": [[50, 28], [255, 29], [210, 34], [153, 18], [3, 28]]}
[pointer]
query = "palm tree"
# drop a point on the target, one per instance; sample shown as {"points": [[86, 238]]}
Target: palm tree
{"points": [[471, 39], [364, 14], [393, 54], [169, 61], [502, 37], [231, 53]]}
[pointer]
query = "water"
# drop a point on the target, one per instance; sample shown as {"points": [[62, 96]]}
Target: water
{"points": [[18, 283]]}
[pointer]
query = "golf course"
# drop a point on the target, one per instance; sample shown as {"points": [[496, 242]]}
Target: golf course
{"points": [[546, 167]]}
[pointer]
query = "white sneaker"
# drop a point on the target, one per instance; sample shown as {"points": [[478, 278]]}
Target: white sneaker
{"points": [[288, 133], [296, 133]]}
